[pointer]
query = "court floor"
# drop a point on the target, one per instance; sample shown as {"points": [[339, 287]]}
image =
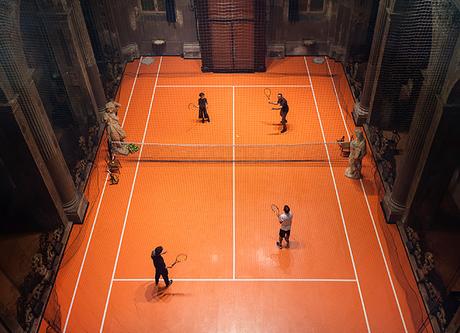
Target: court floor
{"points": [[346, 269]]}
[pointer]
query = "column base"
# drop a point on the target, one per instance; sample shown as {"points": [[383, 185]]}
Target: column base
{"points": [[393, 211], [76, 210], [360, 114]]}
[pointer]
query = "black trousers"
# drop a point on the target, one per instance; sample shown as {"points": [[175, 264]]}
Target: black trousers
{"points": [[283, 121], [203, 113], [283, 117], [164, 274]]}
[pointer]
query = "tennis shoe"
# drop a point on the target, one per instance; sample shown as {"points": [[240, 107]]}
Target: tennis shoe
{"points": [[279, 245], [170, 283]]}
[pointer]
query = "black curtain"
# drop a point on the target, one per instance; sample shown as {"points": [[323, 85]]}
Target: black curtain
{"points": [[170, 11], [293, 11], [204, 34], [259, 36]]}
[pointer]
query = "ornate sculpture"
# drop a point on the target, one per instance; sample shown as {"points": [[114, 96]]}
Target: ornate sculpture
{"points": [[36, 284], [357, 152], [114, 130], [428, 264], [38, 265]]}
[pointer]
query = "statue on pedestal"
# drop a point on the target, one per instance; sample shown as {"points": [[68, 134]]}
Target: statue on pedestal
{"points": [[357, 152], [115, 132]]}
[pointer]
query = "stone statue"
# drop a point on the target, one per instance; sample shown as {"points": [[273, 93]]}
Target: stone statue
{"points": [[115, 132], [357, 152]]}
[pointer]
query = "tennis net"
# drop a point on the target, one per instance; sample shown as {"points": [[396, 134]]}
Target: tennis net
{"points": [[302, 152]]}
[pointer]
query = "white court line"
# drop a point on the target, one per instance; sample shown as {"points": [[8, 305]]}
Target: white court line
{"points": [[370, 211], [274, 86], [233, 188], [238, 280], [129, 200], [236, 86], [338, 198], [97, 212], [131, 93], [194, 86]]}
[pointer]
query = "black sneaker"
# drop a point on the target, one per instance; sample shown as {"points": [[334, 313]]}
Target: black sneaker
{"points": [[170, 283], [209, 120], [283, 130], [279, 245]]}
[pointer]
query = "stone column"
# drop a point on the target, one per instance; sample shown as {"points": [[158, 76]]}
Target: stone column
{"points": [[87, 52], [22, 84], [394, 203], [27, 170], [66, 31], [361, 109], [427, 115]]}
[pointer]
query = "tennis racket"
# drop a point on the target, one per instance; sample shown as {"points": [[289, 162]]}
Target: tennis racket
{"points": [[267, 93], [275, 209], [192, 107], [180, 258]]}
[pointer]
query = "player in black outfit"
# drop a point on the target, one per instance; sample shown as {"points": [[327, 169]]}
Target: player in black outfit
{"points": [[203, 105], [284, 109], [160, 267]]}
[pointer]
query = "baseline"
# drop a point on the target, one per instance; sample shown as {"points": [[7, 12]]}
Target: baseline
{"points": [[235, 86]]}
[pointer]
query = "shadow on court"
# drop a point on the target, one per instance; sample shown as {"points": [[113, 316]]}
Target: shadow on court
{"points": [[282, 259], [159, 294]]}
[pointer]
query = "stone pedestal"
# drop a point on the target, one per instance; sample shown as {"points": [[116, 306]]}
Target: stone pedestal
{"points": [[393, 211], [360, 114], [76, 210]]}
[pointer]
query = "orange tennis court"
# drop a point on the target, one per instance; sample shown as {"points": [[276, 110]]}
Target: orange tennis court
{"points": [[209, 197]]}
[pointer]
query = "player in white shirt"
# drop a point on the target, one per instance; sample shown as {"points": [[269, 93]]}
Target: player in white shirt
{"points": [[285, 220]]}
